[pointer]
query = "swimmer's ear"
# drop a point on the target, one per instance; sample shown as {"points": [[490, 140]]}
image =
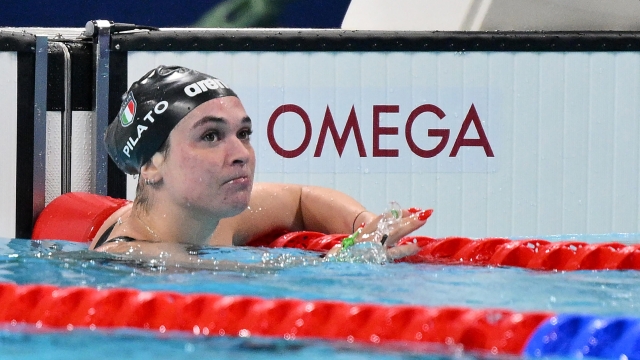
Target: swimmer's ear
{"points": [[152, 169]]}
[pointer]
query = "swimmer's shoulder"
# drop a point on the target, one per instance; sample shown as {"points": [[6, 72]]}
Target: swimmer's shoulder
{"points": [[117, 245], [109, 224], [147, 250]]}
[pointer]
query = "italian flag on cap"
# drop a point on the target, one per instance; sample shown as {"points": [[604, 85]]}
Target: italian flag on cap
{"points": [[128, 110]]}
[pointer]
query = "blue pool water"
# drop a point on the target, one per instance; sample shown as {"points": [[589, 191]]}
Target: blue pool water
{"points": [[295, 274]]}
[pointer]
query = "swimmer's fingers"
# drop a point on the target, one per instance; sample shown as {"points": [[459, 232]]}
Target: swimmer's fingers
{"points": [[401, 251], [370, 227], [410, 222], [412, 219]]}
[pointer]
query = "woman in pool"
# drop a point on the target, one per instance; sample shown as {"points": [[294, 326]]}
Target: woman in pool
{"points": [[187, 136]]}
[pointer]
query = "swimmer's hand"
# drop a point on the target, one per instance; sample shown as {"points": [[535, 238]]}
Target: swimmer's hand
{"points": [[408, 221]]}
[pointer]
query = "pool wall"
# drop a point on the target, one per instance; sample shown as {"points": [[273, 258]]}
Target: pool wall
{"points": [[502, 133]]}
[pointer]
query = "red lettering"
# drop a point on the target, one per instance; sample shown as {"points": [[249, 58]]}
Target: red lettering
{"points": [[383, 130], [340, 141], [352, 126], [472, 117], [442, 133], [307, 130]]}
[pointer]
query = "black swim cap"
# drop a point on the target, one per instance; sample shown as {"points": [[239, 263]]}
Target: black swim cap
{"points": [[152, 107]]}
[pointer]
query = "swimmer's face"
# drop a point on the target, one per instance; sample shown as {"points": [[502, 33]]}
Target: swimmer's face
{"points": [[211, 163]]}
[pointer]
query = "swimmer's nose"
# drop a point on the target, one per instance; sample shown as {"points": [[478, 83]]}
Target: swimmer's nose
{"points": [[240, 152]]}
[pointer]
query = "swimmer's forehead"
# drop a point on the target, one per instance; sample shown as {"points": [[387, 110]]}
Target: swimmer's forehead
{"points": [[212, 119], [222, 111]]}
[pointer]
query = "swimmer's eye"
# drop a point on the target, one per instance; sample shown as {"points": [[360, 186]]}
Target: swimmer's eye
{"points": [[211, 136], [245, 134]]}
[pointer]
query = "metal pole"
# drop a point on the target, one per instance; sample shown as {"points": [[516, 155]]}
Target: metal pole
{"points": [[65, 185], [101, 32], [40, 125]]}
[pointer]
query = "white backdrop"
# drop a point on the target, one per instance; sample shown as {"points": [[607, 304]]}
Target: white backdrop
{"points": [[562, 127], [8, 142], [83, 144]]}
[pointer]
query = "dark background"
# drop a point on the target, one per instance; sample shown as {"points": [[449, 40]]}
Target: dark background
{"points": [[175, 13]]}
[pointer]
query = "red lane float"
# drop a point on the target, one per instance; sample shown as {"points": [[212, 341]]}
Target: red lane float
{"points": [[535, 254], [497, 331], [78, 216], [75, 216]]}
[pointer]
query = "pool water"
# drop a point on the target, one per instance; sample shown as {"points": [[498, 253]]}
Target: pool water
{"points": [[290, 273]]}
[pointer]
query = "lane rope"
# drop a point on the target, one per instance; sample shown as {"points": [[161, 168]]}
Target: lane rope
{"points": [[534, 254], [46, 306], [494, 331]]}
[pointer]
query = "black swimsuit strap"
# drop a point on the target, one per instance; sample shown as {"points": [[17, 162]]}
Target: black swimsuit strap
{"points": [[105, 237], [121, 238]]}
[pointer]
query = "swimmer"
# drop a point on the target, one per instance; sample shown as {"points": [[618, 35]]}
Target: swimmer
{"points": [[187, 137]]}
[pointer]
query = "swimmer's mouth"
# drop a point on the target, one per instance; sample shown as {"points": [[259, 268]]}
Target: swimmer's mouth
{"points": [[238, 180]]}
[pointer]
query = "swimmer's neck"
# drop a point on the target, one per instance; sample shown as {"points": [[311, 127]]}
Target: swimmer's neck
{"points": [[172, 224]]}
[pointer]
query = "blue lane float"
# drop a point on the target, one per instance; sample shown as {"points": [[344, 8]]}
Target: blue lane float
{"points": [[574, 335]]}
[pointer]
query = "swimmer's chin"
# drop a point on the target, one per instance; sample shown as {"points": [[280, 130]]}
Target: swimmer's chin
{"points": [[238, 207], [236, 211]]}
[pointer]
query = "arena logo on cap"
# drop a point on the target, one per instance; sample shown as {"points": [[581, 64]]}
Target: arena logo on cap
{"points": [[128, 110], [203, 85]]}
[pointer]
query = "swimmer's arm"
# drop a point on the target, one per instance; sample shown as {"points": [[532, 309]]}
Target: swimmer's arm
{"points": [[330, 211], [291, 207]]}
